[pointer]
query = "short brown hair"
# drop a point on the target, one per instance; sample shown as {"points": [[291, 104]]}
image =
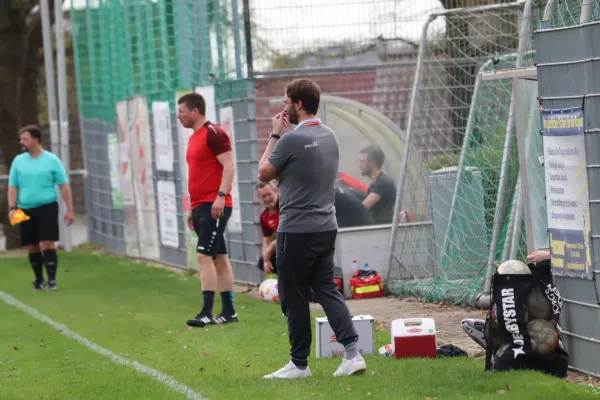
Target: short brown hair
{"points": [[193, 100], [34, 131], [374, 154], [306, 91]]}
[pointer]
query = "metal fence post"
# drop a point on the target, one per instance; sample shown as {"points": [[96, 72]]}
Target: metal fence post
{"points": [[49, 72], [409, 129], [248, 37], [586, 11], [516, 234], [63, 112], [237, 41], [525, 38], [511, 222]]}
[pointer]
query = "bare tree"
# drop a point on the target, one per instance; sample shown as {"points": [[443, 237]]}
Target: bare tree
{"points": [[20, 58]]}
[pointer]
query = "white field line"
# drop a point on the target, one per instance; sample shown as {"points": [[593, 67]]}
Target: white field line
{"points": [[156, 375]]}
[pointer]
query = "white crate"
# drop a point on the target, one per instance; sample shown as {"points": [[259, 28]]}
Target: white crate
{"points": [[327, 345]]}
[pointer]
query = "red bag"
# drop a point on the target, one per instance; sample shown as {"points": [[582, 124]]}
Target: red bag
{"points": [[366, 285]]}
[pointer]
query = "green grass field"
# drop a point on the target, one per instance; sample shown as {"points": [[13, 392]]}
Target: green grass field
{"points": [[139, 312]]}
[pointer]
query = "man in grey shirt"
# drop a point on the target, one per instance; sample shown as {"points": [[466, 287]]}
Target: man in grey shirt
{"points": [[305, 161]]}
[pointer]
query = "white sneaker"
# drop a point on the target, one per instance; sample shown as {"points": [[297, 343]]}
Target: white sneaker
{"points": [[356, 366], [290, 371]]}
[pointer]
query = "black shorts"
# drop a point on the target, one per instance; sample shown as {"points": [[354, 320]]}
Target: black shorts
{"points": [[43, 225], [211, 240]]}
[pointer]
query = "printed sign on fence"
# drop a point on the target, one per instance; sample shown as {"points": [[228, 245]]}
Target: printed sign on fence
{"points": [[567, 194], [167, 214], [140, 139], [208, 92], [124, 156], [163, 143], [115, 176], [227, 123]]}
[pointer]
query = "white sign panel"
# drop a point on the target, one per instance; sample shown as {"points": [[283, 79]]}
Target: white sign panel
{"points": [[124, 156], [163, 143], [167, 214], [235, 221], [208, 92], [140, 139]]}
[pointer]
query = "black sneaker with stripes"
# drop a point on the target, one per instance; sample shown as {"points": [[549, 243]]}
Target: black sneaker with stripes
{"points": [[200, 321], [39, 285], [225, 319]]}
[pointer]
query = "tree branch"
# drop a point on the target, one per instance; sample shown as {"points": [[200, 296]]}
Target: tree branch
{"points": [[32, 43]]}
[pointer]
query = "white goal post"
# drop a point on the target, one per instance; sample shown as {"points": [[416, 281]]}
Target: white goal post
{"points": [[519, 73]]}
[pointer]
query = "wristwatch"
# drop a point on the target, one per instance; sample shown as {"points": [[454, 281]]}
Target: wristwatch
{"points": [[221, 194], [274, 136]]}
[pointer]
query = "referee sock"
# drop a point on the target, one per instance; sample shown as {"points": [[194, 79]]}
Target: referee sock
{"points": [[209, 300], [37, 261], [228, 303], [51, 262]]}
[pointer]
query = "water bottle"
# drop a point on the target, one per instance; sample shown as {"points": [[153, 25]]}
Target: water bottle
{"points": [[354, 266], [366, 267]]}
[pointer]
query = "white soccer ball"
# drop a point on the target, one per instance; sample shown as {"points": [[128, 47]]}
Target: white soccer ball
{"points": [[513, 267], [269, 291]]}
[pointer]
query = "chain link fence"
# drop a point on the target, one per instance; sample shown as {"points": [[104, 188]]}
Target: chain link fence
{"points": [[397, 74], [463, 129], [133, 61]]}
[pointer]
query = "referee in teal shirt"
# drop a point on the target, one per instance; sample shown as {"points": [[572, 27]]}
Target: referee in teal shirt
{"points": [[33, 178]]}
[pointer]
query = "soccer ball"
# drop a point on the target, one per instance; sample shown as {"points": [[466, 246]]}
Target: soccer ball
{"points": [[537, 304], [513, 267], [268, 290], [544, 336]]}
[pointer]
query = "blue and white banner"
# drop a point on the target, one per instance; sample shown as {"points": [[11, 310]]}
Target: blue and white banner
{"points": [[567, 195]]}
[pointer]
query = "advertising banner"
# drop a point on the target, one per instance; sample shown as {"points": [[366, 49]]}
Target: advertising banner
{"points": [[163, 143], [141, 158], [567, 196], [235, 221]]}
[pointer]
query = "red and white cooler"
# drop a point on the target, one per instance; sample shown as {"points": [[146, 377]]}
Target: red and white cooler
{"points": [[414, 337]]}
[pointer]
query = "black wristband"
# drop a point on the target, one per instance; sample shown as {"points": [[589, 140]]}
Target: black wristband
{"points": [[12, 208], [274, 136]]}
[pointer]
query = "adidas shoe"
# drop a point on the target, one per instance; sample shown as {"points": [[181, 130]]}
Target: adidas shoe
{"points": [[224, 319], [52, 285], [475, 328], [39, 285], [290, 371], [356, 366], [200, 321]]}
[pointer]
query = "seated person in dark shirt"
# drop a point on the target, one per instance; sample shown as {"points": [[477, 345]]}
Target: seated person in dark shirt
{"points": [[349, 211], [381, 196]]}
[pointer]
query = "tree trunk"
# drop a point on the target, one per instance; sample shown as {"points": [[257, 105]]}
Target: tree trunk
{"points": [[20, 56]]}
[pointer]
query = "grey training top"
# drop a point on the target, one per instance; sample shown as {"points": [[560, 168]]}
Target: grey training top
{"points": [[308, 161]]}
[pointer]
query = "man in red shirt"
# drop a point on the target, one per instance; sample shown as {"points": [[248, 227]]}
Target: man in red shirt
{"points": [[211, 170], [269, 221]]}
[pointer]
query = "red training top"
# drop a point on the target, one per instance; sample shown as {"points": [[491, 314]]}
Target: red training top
{"points": [[204, 169], [269, 221]]}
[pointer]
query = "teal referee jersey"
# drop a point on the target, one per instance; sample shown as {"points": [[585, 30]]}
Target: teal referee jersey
{"points": [[36, 179]]}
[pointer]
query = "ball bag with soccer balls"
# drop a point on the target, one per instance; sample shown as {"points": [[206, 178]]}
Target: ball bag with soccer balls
{"points": [[268, 290]]}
